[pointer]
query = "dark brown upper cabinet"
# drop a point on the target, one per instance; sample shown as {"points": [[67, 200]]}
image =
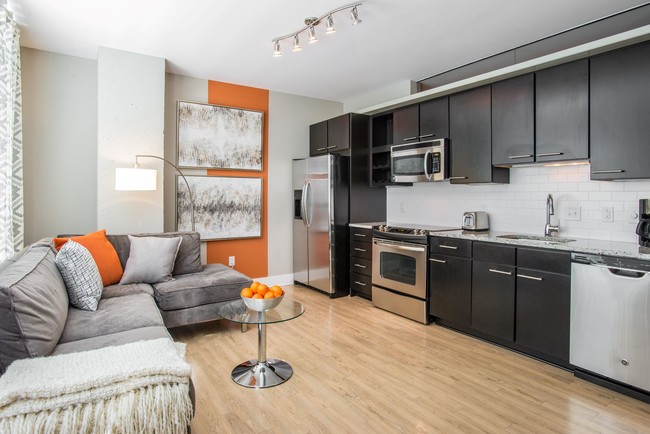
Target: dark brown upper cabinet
{"points": [[513, 121], [470, 131], [318, 139], [420, 122], [620, 104], [562, 112], [434, 119], [406, 125], [332, 135]]}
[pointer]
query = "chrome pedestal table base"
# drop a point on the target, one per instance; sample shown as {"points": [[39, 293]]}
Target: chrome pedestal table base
{"points": [[261, 372]]}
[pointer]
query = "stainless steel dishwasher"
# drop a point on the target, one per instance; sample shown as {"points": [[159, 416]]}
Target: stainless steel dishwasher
{"points": [[610, 318]]}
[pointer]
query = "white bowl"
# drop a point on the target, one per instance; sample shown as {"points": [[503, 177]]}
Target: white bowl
{"points": [[262, 304]]}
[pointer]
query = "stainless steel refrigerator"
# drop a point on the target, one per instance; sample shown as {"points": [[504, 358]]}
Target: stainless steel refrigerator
{"points": [[320, 242]]}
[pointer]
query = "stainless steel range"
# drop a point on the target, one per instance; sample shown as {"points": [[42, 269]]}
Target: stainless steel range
{"points": [[399, 269]]}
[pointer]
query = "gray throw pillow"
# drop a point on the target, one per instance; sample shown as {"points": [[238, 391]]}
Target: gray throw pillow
{"points": [[151, 259], [80, 274]]}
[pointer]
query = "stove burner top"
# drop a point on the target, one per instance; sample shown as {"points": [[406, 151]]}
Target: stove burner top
{"points": [[403, 231], [408, 232]]}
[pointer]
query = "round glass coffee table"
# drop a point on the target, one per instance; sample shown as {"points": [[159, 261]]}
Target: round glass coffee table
{"points": [[261, 372]]}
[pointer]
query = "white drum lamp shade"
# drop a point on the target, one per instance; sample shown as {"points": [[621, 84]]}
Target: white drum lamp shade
{"points": [[135, 179]]}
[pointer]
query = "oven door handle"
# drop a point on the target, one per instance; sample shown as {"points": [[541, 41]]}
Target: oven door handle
{"points": [[395, 246]]}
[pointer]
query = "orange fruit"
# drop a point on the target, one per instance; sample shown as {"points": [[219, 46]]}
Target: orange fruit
{"points": [[269, 294], [262, 289], [277, 290], [246, 292], [257, 296], [254, 287]]}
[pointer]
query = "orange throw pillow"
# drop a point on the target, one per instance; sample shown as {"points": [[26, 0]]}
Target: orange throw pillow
{"points": [[102, 252]]}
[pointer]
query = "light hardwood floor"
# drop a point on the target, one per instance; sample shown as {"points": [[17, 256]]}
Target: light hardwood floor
{"points": [[359, 369]]}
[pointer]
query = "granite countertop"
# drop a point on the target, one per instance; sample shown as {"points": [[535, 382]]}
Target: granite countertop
{"points": [[583, 245]]}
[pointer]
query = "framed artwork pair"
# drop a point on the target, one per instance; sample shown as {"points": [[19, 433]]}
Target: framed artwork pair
{"points": [[222, 138]]}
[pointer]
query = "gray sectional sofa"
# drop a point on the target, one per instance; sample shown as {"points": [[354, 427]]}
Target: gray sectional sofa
{"points": [[37, 320]]}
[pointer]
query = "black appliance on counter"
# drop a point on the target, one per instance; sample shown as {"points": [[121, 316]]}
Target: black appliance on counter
{"points": [[643, 227]]}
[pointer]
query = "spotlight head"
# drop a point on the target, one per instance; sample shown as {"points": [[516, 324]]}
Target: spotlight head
{"points": [[276, 49], [354, 14], [312, 35], [330, 25], [296, 43]]}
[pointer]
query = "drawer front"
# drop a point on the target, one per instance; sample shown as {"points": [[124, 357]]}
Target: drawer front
{"points": [[544, 260], [360, 234], [450, 246], [361, 285], [361, 250], [361, 266], [495, 253]]}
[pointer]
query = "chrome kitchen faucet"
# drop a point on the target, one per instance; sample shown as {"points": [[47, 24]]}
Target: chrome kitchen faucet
{"points": [[550, 230]]}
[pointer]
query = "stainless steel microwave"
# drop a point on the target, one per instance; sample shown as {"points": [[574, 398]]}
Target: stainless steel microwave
{"points": [[420, 162]]}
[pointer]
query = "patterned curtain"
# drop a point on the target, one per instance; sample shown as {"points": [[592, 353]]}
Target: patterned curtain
{"points": [[11, 137]]}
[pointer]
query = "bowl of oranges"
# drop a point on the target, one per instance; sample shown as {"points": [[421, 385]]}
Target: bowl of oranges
{"points": [[260, 297]]}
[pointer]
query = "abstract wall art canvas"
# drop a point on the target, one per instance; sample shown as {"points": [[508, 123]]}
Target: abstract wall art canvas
{"points": [[217, 137], [224, 207]]}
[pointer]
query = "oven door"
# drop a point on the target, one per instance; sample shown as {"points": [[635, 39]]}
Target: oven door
{"points": [[400, 267]]}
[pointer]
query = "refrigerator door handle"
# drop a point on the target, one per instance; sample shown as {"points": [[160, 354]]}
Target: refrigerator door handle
{"points": [[305, 204], [303, 208]]}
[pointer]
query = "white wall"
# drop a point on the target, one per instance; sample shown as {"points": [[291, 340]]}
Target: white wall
{"points": [[521, 205], [378, 96], [289, 120], [130, 121], [59, 143]]}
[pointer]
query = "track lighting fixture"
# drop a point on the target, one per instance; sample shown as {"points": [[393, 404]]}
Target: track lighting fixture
{"points": [[330, 25], [296, 43], [310, 26]]}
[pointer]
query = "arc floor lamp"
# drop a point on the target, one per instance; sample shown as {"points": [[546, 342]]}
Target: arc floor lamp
{"points": [[138, 179]]}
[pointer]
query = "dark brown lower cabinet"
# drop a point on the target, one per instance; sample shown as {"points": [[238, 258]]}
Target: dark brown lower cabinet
{"points": [[450, 286], [543, 309], [493, 299]]}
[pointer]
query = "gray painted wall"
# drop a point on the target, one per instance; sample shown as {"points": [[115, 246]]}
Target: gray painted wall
{"points": [[177, 87], [289, 120], [60, 143]]}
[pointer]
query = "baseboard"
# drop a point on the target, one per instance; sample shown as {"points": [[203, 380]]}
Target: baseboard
{"points": [[280, 279]]}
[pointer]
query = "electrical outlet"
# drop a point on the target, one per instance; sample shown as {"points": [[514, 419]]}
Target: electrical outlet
{"points": [[231, 261], [573, 213], [607, 214]]}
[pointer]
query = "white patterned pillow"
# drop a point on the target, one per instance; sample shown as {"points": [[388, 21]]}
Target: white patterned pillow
{"points": [[80, 274]]}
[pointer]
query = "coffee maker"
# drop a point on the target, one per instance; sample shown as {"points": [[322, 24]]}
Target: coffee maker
{"points": [[643, 227]]}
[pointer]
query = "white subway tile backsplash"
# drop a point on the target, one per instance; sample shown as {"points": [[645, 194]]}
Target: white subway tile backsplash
{"points": [[521, 205]]}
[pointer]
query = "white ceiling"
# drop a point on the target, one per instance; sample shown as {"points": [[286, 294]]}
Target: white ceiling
{"points": [[230, 41]]}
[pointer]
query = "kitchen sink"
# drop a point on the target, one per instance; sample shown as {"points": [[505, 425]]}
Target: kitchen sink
{"points": [[549, 240]]}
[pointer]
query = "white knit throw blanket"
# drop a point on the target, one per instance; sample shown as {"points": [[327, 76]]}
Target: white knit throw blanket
{"points": [[137, 387]]}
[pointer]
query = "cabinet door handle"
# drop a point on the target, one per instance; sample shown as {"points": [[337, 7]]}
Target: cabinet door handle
{"points": [[360, 250], [440, 261], [442, 246], [457, 177], [359, 283], [427, 135], [360, 266], [321, 149], [507, 273], [550, 154], [514, 157], [595, 172], [331, 147], [525, 276], [360, 235], [406, 139]]}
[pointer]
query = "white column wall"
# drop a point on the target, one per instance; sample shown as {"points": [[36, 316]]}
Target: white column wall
{"points": [[130, 121]]}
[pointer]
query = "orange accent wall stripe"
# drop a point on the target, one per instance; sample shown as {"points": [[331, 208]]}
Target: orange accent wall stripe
{"points": [[251, 254]]}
